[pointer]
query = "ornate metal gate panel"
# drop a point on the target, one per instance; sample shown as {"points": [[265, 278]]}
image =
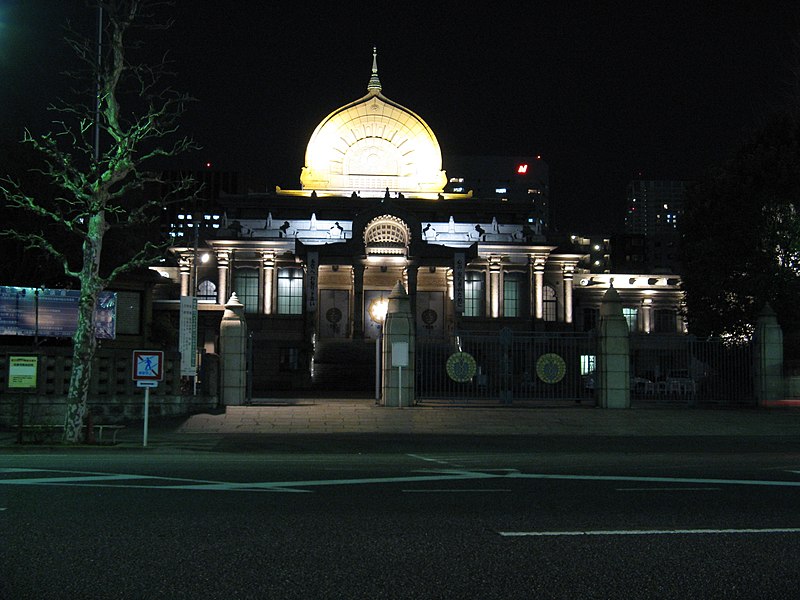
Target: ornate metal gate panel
{"points": [[506, 367]]}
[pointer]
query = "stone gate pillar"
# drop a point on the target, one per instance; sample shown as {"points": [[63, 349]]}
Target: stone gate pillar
{"points": [[768, 357], [398, 329], [613, 355], [233, 353]]}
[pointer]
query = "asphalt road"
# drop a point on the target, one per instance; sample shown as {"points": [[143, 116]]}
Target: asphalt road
{"points": [[395, 517]]}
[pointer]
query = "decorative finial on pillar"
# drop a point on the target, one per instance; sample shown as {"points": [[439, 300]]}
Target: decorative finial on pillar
{"points": [[374, 82]]}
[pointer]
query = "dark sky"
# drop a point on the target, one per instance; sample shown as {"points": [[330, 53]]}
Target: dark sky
{"points": [[664, 89]]}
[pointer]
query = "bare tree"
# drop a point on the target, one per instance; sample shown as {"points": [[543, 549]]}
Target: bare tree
{"points": [[96, 158]]}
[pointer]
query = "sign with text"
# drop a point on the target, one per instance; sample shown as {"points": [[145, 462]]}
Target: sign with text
{"points": [[312, 273], [52, 313], [459, 275], [22, 372], [187, 340]]}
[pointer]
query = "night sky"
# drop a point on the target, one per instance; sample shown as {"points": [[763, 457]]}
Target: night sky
{"points": [[664, 89]]}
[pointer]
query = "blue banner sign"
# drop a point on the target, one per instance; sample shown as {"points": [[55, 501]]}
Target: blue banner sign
{"points": [[52, 313]]}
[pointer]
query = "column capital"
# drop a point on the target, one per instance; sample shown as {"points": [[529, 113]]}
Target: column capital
{"points": [[223, 258]]}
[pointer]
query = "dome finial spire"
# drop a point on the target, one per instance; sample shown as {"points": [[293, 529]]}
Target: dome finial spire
{"points": [[374, 82]]}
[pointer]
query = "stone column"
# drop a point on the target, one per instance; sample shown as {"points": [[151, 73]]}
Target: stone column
{"points": [[268, 264], [568, 273], [185, 270], [223, 258], [647, 315], [398, 336], [358, 301], [233, 353], [768, 357], [494, 287], [613, 355], [538, 277]]}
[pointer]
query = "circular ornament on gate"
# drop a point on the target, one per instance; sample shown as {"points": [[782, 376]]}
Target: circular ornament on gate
{"points": [[429, 316], [461, 367], [551, 368], [333, 315]]}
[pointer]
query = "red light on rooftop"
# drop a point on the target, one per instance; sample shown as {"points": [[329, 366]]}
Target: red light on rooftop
{"points": [[208, 164], [522, 169]]}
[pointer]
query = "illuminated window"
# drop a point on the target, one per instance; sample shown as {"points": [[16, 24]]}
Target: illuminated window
{"points": [[473, 294], [290, 291], [500, 190], [245, 284], [511, 296], [631, 316], [207, 291], [548, 303], [588, 364]]}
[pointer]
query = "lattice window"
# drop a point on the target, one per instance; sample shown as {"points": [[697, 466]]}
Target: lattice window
{"points": [[386, 235]]}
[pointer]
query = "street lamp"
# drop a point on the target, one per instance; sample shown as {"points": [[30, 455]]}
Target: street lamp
{"points": [[377, 311]]}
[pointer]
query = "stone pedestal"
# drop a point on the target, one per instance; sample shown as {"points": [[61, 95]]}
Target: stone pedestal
{"points": [[398, 348], [233, 353], [768, 357], [613, 355]]}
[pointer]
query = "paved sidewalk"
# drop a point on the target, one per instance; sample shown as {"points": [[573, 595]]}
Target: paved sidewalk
{"points": [[364, 417]]}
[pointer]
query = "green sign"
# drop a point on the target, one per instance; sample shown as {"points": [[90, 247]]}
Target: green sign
{"points": [[22, 372]]}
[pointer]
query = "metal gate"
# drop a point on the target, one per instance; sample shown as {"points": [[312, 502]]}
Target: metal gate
{"points": [[505, 367], [684, 369]]}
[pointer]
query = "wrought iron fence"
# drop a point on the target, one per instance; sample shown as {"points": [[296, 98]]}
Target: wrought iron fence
{"points": [[684, 369], [506, 366]]}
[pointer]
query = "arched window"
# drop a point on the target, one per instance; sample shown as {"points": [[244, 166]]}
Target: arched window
{"points": [[386, 235], [549, 305], [207, 291], [290, 291], [245, 284]]}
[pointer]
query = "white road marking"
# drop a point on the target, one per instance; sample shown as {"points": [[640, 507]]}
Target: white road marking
{"points": [[80, 478], [647, 532], [700, 481], [427, 459], [667, 489], [455, 491]]}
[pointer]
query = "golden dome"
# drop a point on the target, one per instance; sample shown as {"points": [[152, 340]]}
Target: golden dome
{"points": [[371, 145]]}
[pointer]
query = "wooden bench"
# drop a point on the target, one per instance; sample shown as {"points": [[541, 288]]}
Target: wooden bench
{"points": [[100, 428]]}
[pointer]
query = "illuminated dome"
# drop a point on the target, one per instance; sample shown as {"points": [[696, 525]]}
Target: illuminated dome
{"points": [[373, 144]]}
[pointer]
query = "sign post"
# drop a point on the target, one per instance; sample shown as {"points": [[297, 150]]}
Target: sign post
{"points": [[148, 370], [399, 360]]}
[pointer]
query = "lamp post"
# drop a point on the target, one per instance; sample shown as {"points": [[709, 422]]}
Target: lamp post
{"points": [[377, 311]]}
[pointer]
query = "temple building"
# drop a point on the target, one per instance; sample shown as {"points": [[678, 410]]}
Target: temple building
{"points": [[314, 266]]}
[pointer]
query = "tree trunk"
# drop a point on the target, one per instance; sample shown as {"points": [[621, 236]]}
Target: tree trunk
{"points": [[84, 346], [85, 342]]}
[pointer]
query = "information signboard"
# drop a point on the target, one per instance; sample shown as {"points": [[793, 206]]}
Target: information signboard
{"points": [[22, 372], [187, 343], [52, 313]]}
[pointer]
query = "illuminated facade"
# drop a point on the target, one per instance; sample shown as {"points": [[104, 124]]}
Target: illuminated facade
{"points": [[314, 266]]}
